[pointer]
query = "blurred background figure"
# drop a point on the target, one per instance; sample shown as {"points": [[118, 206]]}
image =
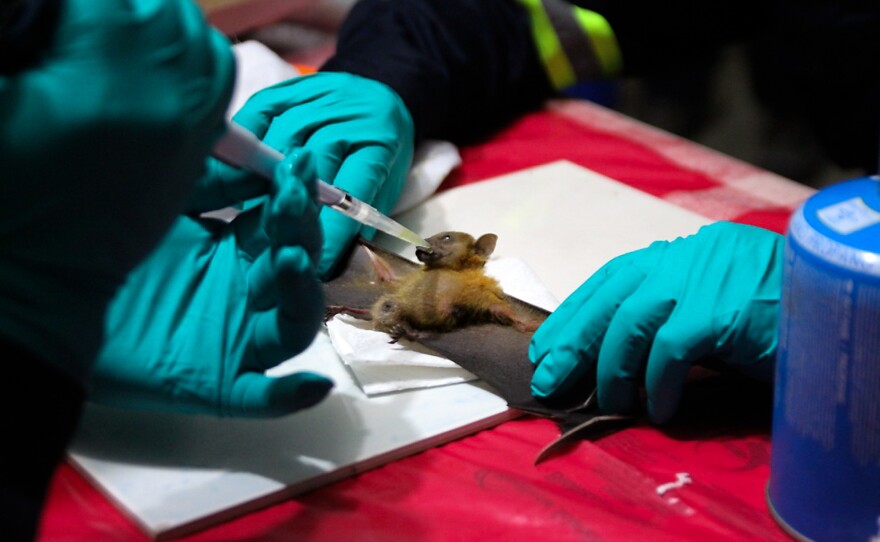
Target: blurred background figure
{"points": [[746, 98]]}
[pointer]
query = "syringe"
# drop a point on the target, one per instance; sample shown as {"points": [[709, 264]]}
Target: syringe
{"points": [[240, 148]]}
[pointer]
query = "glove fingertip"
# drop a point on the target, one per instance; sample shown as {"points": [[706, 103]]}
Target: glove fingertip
{"points": [[664, 384], [264, 396], [619, 397], [536, 352], [660, 411], [298, 391], [538, 392], [292, 262], [550, 376], [301, 163]]}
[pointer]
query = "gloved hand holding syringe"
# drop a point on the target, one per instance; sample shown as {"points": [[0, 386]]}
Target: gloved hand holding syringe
{"points": [[240, 148]]}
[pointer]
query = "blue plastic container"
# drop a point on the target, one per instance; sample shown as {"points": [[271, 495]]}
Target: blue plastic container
{"points": [[825, 458]]}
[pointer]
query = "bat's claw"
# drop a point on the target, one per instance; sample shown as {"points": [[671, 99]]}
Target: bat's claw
{"points": [[330, 311], [404, 332]]}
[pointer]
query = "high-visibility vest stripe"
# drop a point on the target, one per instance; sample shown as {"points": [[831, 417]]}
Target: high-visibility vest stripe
{"points": [[574, 44], [602, 38]]}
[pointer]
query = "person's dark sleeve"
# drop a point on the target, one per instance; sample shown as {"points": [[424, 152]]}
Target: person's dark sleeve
{"points": [[39, 412], [26, 28], [463, 68], [40, 407]]}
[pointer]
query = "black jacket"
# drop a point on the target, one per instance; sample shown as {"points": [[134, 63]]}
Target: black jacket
{"points": [[466, 67]]}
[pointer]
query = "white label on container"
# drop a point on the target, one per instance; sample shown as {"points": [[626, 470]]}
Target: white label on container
{"points": [[848, 216]]}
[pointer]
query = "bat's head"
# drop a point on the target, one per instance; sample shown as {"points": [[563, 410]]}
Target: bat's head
{"points": [[457, 250]]}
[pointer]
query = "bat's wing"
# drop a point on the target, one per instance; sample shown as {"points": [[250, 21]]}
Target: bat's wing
{"points": [[497, 354]]}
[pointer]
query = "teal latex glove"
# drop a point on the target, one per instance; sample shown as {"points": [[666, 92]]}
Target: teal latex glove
{"points": [[651, 314], [101, 142], [215, 305], [359, 131]]}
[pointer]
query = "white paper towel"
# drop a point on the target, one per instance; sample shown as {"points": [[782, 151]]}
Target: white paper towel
{"points": [[381, 367]]}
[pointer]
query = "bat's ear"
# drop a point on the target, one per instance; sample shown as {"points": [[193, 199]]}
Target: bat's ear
{"points": [[485, 245]]}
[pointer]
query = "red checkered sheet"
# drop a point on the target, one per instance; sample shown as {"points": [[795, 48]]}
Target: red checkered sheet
{"points": [[702, 479]]}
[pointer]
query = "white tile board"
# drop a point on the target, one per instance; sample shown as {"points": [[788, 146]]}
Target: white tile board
{"points": [[174, 474], [564, 220]]}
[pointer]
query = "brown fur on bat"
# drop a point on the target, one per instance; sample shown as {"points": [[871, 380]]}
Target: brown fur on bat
{"points": [[450, 291], [492, 349]]}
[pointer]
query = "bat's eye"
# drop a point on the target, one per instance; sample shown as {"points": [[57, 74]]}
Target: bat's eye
{"points": [[447, 238]]}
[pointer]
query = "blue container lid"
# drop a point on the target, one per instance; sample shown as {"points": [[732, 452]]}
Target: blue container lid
{"points": [[840, 225]]}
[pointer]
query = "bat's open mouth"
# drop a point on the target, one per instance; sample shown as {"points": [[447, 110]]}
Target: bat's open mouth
{"points": [[426, 255]]}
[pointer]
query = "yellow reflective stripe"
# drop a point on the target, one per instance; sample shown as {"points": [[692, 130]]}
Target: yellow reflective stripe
{"points": [[602, 38], [549, 48]]}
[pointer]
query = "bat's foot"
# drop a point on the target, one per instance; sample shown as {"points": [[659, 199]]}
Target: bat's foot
{"points": [[402, 332]]}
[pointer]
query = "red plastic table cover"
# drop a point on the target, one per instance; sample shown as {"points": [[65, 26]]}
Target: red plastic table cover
{"points": [[703, 478]]}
